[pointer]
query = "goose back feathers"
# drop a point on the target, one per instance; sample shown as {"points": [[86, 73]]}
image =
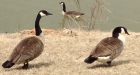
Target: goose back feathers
{"points": [[27, 50], [109, 46]]}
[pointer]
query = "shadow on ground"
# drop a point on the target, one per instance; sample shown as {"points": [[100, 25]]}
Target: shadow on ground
{"points": [[115, 63], [31, 66]]}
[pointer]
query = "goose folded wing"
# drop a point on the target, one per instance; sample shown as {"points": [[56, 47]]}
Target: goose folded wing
{"points": [[107, 47], [74, 13]]}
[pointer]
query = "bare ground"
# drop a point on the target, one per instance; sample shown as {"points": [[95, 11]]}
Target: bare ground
{"points": [[64, 55]]}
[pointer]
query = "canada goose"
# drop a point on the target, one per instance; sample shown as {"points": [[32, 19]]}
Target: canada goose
{"points": [[109, 48], [28, 48], [70, 13]]}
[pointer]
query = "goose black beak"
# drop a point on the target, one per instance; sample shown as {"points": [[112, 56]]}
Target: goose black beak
{"points": [[49, 13], [127, 33]]}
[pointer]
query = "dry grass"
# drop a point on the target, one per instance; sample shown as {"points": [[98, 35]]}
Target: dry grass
{"points": [[64, 55]]}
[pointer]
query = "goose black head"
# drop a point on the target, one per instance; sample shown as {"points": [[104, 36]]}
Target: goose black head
{"points": [[61, 3], [44, 12], [119, 30]]}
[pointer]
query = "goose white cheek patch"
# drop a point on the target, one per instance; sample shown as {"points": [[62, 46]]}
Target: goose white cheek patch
{"points": [[42, 14], [121, 35], [122, 31], [61, 3]]}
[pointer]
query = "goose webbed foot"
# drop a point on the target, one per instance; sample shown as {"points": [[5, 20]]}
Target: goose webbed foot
{"points": [[109, 63], [25, 66]]}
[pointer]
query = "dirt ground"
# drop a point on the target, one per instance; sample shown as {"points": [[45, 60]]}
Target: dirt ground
{"points": [[64, 54]]}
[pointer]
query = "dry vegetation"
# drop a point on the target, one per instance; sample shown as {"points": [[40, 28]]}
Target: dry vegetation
{"points": [[64, 55]]}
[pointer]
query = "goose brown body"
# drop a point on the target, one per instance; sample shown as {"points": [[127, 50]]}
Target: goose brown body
{"points": [[109, 46], [27, 50], [74, 13]]}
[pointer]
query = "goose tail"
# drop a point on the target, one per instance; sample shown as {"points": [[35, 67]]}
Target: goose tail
{"points": [[90, 59], [7, 64]]}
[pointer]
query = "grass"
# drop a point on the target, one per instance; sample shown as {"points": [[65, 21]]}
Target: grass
{"points": [[64, 55]]}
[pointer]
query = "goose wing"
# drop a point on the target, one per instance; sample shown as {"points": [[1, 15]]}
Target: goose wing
{"points": [[74, 13], [107, 47], [27, 50]]}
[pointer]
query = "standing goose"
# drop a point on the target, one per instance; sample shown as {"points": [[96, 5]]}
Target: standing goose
{"points": [[28, 48], [70, 13], [109, 48]]}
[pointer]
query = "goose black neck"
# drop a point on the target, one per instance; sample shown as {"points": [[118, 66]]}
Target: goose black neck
{"points": [[38, 30], [115, 35], [64, 7]]}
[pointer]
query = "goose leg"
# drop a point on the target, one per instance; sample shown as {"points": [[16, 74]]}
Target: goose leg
{"points": [[109, 63], [25, 66]]}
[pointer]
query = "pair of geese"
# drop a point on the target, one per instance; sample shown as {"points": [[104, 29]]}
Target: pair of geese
{"points": [[30, 48]]}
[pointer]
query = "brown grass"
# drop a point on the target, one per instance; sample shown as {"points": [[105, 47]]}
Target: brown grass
{"points": [[64, 55]]}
